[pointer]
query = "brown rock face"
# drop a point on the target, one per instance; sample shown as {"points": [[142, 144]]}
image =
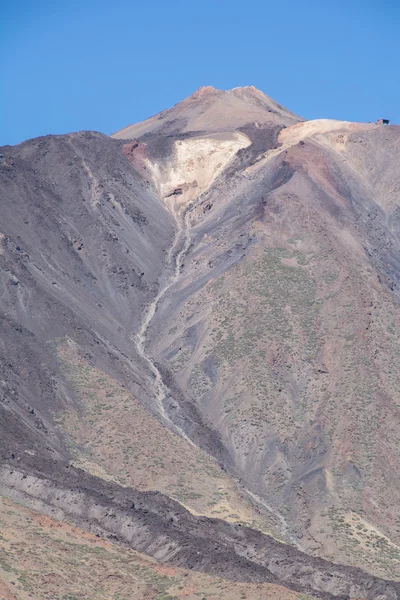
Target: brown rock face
{"points": [[205, 306]]}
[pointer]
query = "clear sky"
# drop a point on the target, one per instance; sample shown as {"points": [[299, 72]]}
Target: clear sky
{"points": [[101, 65]]}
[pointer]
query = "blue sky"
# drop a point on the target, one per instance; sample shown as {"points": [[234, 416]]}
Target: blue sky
{"points": [[102, 65]]}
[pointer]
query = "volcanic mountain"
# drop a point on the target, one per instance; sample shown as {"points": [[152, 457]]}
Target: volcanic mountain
{"points": [[199, 375]]}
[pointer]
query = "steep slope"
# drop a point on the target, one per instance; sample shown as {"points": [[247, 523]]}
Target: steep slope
{"points": [[79, 258], [84, 249], [209, 110], [284, 331], [206, 306]]}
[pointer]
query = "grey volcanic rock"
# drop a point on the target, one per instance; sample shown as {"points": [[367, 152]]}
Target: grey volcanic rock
{"points": [[209, 110], [83, 241], [160, 527], [217, 285]]}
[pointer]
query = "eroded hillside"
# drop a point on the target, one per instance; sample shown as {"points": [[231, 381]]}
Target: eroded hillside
{"points": [[284, 331], [205, 307]]}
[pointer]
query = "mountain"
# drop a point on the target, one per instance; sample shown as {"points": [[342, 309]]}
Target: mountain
{"points": [[199, 355], [210, 111]]}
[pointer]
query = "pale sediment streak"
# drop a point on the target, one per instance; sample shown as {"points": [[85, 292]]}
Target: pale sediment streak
{"points": [[174, 258], [284, 527], [161, 392]]}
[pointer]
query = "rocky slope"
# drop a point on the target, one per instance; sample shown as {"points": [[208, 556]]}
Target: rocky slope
{"points": [[205, 306]]}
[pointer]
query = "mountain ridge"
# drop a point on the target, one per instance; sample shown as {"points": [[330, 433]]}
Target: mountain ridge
{"points": [[210, 110], [209, 309]]}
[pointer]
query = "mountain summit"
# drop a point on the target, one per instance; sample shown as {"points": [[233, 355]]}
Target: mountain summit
{"points": [[211, 110], [199, 357]]}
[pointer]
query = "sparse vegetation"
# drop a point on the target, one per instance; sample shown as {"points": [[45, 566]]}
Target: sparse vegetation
{"points": [[44, 558], [139, 451]]}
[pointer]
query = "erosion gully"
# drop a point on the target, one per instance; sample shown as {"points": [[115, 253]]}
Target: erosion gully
{"points": [[175, 257]]}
